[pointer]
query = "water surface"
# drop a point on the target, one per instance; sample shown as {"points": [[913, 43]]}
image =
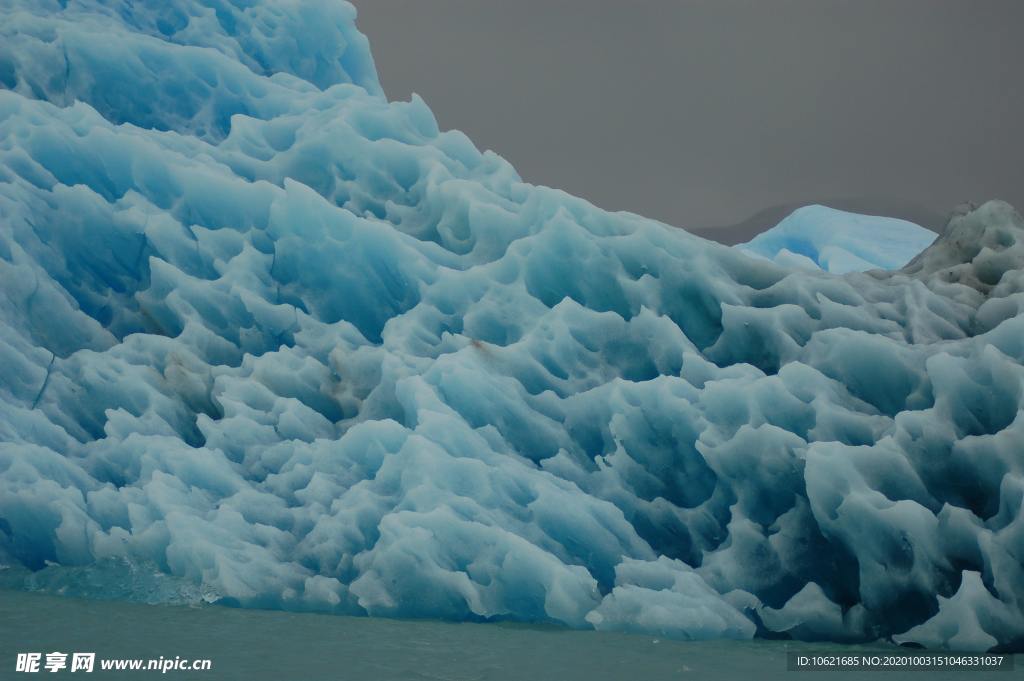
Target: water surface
{"points": [[256, 645]]}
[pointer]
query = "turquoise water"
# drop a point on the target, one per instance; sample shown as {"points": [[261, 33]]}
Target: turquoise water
{"points": [[256, 645]]}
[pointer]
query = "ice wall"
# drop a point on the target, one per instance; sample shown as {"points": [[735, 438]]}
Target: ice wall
{"points": [[270, 340]]}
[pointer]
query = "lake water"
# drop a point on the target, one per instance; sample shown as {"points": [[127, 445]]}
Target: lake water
{"points": [[254, 645]]}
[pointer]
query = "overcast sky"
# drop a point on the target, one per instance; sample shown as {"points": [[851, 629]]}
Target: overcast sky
{"points": [[702, 113]]}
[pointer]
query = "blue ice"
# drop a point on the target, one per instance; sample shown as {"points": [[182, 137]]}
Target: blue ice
{"points": [[270, 340], [819, 237]]}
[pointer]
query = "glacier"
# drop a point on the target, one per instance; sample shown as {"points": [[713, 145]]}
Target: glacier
{"points": [[271, 340], [840, 242]]}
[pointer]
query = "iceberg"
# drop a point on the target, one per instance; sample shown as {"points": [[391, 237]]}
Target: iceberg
{"points": [[271, 340], [823, 238]]}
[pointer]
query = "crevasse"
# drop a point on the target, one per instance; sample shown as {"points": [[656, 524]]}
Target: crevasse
{"points": [[270, 340]]}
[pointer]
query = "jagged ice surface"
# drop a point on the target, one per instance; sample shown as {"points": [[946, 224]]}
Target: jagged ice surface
{"points": [[269, 339]]}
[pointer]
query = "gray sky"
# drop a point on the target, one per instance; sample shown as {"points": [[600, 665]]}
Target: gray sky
{"points": [[703, 113]]}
